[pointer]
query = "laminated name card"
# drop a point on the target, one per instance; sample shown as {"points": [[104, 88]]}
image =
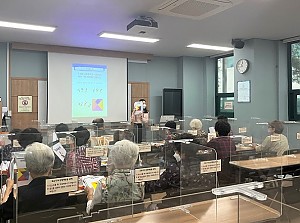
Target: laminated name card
{"points": [[154, 128], [242, 130], [275, 138], [247, 140], [96, 151], [193, 132], [146, 174], [61, 185], [143, 148], [210, 166]]}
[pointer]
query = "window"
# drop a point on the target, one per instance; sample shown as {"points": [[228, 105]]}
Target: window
{"points": [[225, 86], [294, 80]]}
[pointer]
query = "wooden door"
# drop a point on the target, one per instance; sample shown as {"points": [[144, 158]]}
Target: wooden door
{"points": [[24, 87], [140, 90]]}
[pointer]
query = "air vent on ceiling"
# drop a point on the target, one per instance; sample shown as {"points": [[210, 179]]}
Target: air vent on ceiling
{"points": [[195, 9]]}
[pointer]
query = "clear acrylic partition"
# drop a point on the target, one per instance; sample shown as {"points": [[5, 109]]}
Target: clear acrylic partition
{"points": [[178, 191], [251, 186], [43, 194], [6, 146], [264, 170]]}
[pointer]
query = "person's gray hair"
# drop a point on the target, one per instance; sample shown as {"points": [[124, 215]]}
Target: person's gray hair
{"points": [[196, 124], [124, 154], [39, 158]]}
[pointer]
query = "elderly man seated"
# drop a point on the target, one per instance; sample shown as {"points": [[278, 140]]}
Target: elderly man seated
{"points": [[32, 197], [120, 185]]}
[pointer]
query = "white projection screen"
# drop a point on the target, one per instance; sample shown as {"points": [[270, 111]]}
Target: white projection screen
{"points": [[81, 88]]}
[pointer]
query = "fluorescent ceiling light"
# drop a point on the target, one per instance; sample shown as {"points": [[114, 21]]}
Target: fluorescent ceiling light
{"points": [[126, 37], [26, 26], [209, 47]]}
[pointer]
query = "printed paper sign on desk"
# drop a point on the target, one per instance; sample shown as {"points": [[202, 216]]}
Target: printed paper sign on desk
{"points": [[145, 147], [96, 151], [61, 185], [242, 130], [275, 138], [247, 140], [154, 128], [193, 132], [146, 174], [210, 166]]}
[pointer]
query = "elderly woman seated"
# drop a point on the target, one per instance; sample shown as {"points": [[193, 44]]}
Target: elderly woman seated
{"points": [[196, 124], [120, 185], [32, 197]]}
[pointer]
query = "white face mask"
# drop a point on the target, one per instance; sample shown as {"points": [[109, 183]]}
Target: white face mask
{"points": [[144, 106], [177, 157]]}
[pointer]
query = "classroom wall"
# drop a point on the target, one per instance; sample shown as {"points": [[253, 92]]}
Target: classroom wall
{"points": [[193, 82], [263, 74], [268, 75], [26, 64], [161, 72], [3, 78]]}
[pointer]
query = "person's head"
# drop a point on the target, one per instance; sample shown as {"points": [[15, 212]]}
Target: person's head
{"points": [[275, 127], [99, 123], [170, 124], [196, 124], [222, 118], [144, 104], [28, 136], [124, 154], [61, 127], [222, 128], [14, 134], [82, 135], [39, 159]]}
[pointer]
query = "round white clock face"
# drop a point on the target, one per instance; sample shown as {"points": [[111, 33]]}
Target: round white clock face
{"points": [[242, 66]]}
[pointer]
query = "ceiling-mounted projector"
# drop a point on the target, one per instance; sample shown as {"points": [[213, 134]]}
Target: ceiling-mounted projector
{"points": [[142, 26]]}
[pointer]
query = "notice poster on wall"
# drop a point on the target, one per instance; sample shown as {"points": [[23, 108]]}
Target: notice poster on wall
{"points": [[89, 90], [24, 103], [243, 91]]}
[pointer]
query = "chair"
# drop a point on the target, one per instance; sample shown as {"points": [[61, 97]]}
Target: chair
{"points": [[47, 216]]}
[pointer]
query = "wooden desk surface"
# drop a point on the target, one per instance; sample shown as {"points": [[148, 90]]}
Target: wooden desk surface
{"points": [[268, 162], [223, 210]]}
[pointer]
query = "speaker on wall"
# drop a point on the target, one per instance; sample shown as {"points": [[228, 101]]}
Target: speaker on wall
{"points": [[237, 43], [172, 102]]}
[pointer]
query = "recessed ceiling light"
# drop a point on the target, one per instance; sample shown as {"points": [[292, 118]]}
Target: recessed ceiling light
{"points": [[26, 26], [209, 47], [126, 37]]}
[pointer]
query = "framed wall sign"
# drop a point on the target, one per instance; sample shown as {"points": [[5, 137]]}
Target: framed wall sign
{"points": [[244, 91]]}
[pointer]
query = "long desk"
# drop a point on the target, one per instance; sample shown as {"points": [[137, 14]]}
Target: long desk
{"points": [[268, 162], [223, 210]]}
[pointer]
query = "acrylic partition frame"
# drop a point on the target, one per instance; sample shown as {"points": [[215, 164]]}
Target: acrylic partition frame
{"points": [[252, 185]]}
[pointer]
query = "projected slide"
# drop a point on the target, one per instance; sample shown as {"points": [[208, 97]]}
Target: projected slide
{"points": [[89, 90]]}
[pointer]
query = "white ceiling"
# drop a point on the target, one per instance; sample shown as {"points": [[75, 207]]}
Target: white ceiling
{"points": [[79, 21]]}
